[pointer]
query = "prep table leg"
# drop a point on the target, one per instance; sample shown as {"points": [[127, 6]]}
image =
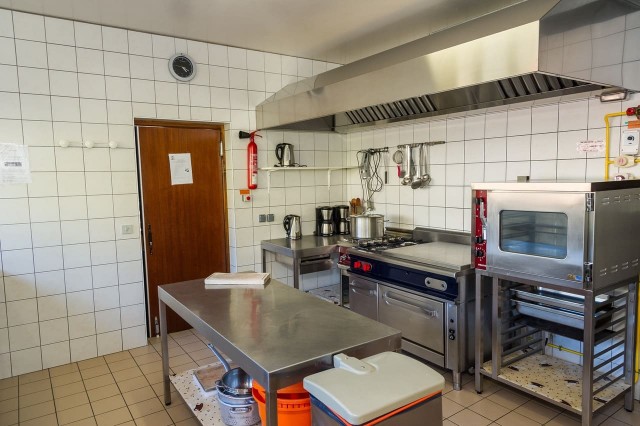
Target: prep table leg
{"points": [[272, 407], [296, 273], [478, 334], [164, 341], [264, 260]]}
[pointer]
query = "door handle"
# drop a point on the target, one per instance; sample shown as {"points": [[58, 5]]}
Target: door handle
{"points": [[363, 292], [393, 301], [150, 239]]}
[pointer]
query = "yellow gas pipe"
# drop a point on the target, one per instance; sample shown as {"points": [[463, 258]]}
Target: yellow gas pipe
{"points": [[607, 163]]}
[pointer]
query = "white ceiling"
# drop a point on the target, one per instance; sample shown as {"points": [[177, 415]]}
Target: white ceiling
{"points": [[330, 30]]}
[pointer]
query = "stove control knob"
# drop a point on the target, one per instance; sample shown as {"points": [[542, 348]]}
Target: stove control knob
{"points": [[452, 337], [366, 267], [357, 264], [479, 253]]}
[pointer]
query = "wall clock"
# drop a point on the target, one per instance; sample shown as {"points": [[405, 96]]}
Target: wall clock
{"points": [[182, 67]]}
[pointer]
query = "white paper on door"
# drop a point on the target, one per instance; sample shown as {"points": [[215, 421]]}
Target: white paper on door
{"points": [[180, 166], [14, 164]]}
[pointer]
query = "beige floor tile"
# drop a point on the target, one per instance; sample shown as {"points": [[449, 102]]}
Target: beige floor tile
{"points": [[201, 354], [74, 414], [133, 384], [611, 409], [103, 392], [194, 346], [11, 418], [537, 411], [147, 358], [36, 398], [445, 422], [185, 340], [508, 399], [158, 388], [122, 365], [72, 401], [489, 409], [48, 420], [189, 422], [9, 393], [174, 351], [65, 379], [613, 422], [206, 361], [469, 418], [127, 374], [161, 418], [184, 367], [179, 412], [99, 381], [464, 397], [63, 369], [66, 390], [32, 387], [179, 360], [564, 420], [632, 418], [8, 382], [152, 367], [514, 418], [153, 378], [449, 408], [100, 370], [182, 333], [91, 363], [145, 408], [118, 356], [91, 421], [107, 404], [139, 395], [38, 410], [8, 405], [115, 417], [36, 376], [142, 350]]}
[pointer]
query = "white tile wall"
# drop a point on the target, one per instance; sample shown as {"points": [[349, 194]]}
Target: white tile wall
{"points": [[72, 282]]}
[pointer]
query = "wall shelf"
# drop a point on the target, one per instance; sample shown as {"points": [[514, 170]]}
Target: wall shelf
{"points": [[270, 170]]}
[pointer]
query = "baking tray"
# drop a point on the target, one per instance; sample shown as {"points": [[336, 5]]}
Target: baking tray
{"points": [[558, 299], [563, 316]]}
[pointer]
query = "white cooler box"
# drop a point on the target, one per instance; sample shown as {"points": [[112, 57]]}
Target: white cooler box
{"points": [[385, 389]]}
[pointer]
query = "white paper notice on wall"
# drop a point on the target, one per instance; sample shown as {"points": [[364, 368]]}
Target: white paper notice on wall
{"points": [[14, 164], [590, 146], [180, 166]]}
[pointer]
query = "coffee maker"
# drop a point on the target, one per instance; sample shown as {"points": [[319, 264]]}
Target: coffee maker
{"points": [[324, 221], [341, 220]]}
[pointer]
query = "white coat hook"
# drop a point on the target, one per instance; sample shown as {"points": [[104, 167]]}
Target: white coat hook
{"points": [[63, 143]]}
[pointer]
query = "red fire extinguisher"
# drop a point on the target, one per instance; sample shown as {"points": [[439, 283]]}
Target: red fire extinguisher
{"points": [[252, 159]]}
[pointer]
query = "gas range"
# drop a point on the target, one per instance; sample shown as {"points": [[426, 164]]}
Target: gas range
{"points": [[376, 245], [430, 262]]}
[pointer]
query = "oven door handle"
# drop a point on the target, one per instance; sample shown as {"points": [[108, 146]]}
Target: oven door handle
{"points": [[363, 291], [395, 301]]}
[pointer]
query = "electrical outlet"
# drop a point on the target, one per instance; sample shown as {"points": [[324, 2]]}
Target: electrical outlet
{"points": [[262, 218], [270, 217], [127, 229]]}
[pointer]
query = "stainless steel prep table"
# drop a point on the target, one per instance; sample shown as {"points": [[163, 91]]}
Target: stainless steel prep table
{"points": [[309, 249], [277, 334]]}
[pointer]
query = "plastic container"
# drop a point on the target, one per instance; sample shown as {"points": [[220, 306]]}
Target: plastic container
{"points": [[294, 405]]}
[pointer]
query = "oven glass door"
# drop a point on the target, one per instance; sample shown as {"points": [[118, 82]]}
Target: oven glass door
{"points": [[537, 234]]}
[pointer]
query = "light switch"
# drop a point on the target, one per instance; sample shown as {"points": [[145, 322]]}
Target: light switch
{"points": [[127, 229], [262, 218], [270, 217]]}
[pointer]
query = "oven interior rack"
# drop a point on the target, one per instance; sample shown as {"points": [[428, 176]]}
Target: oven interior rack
{"points": [[523, 315]]}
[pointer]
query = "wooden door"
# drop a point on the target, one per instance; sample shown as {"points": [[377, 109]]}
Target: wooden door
{"points": [[184, 225]]}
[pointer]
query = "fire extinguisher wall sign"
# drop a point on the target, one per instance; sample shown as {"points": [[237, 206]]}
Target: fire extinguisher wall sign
{"points": [[252, 159]]}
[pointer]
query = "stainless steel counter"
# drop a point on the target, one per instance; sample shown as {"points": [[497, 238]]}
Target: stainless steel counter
{"points": [[312, 249], [277, 334]]}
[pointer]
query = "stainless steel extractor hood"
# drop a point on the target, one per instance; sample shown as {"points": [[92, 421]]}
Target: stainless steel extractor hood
{"points": [[531, 50]]}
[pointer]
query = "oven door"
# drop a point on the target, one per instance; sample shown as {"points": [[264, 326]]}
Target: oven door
{"points": [[421, 319], [538, 235]]}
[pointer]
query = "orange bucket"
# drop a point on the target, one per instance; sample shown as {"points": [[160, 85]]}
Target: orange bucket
{"points": [[294, 405]]}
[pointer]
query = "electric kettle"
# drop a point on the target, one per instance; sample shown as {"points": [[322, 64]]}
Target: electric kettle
{"points": [[284, 154], [292, 226]]}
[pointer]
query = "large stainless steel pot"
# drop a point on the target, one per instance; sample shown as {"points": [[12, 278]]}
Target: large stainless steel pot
{"points": [[237, 410], [367, 226]]}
